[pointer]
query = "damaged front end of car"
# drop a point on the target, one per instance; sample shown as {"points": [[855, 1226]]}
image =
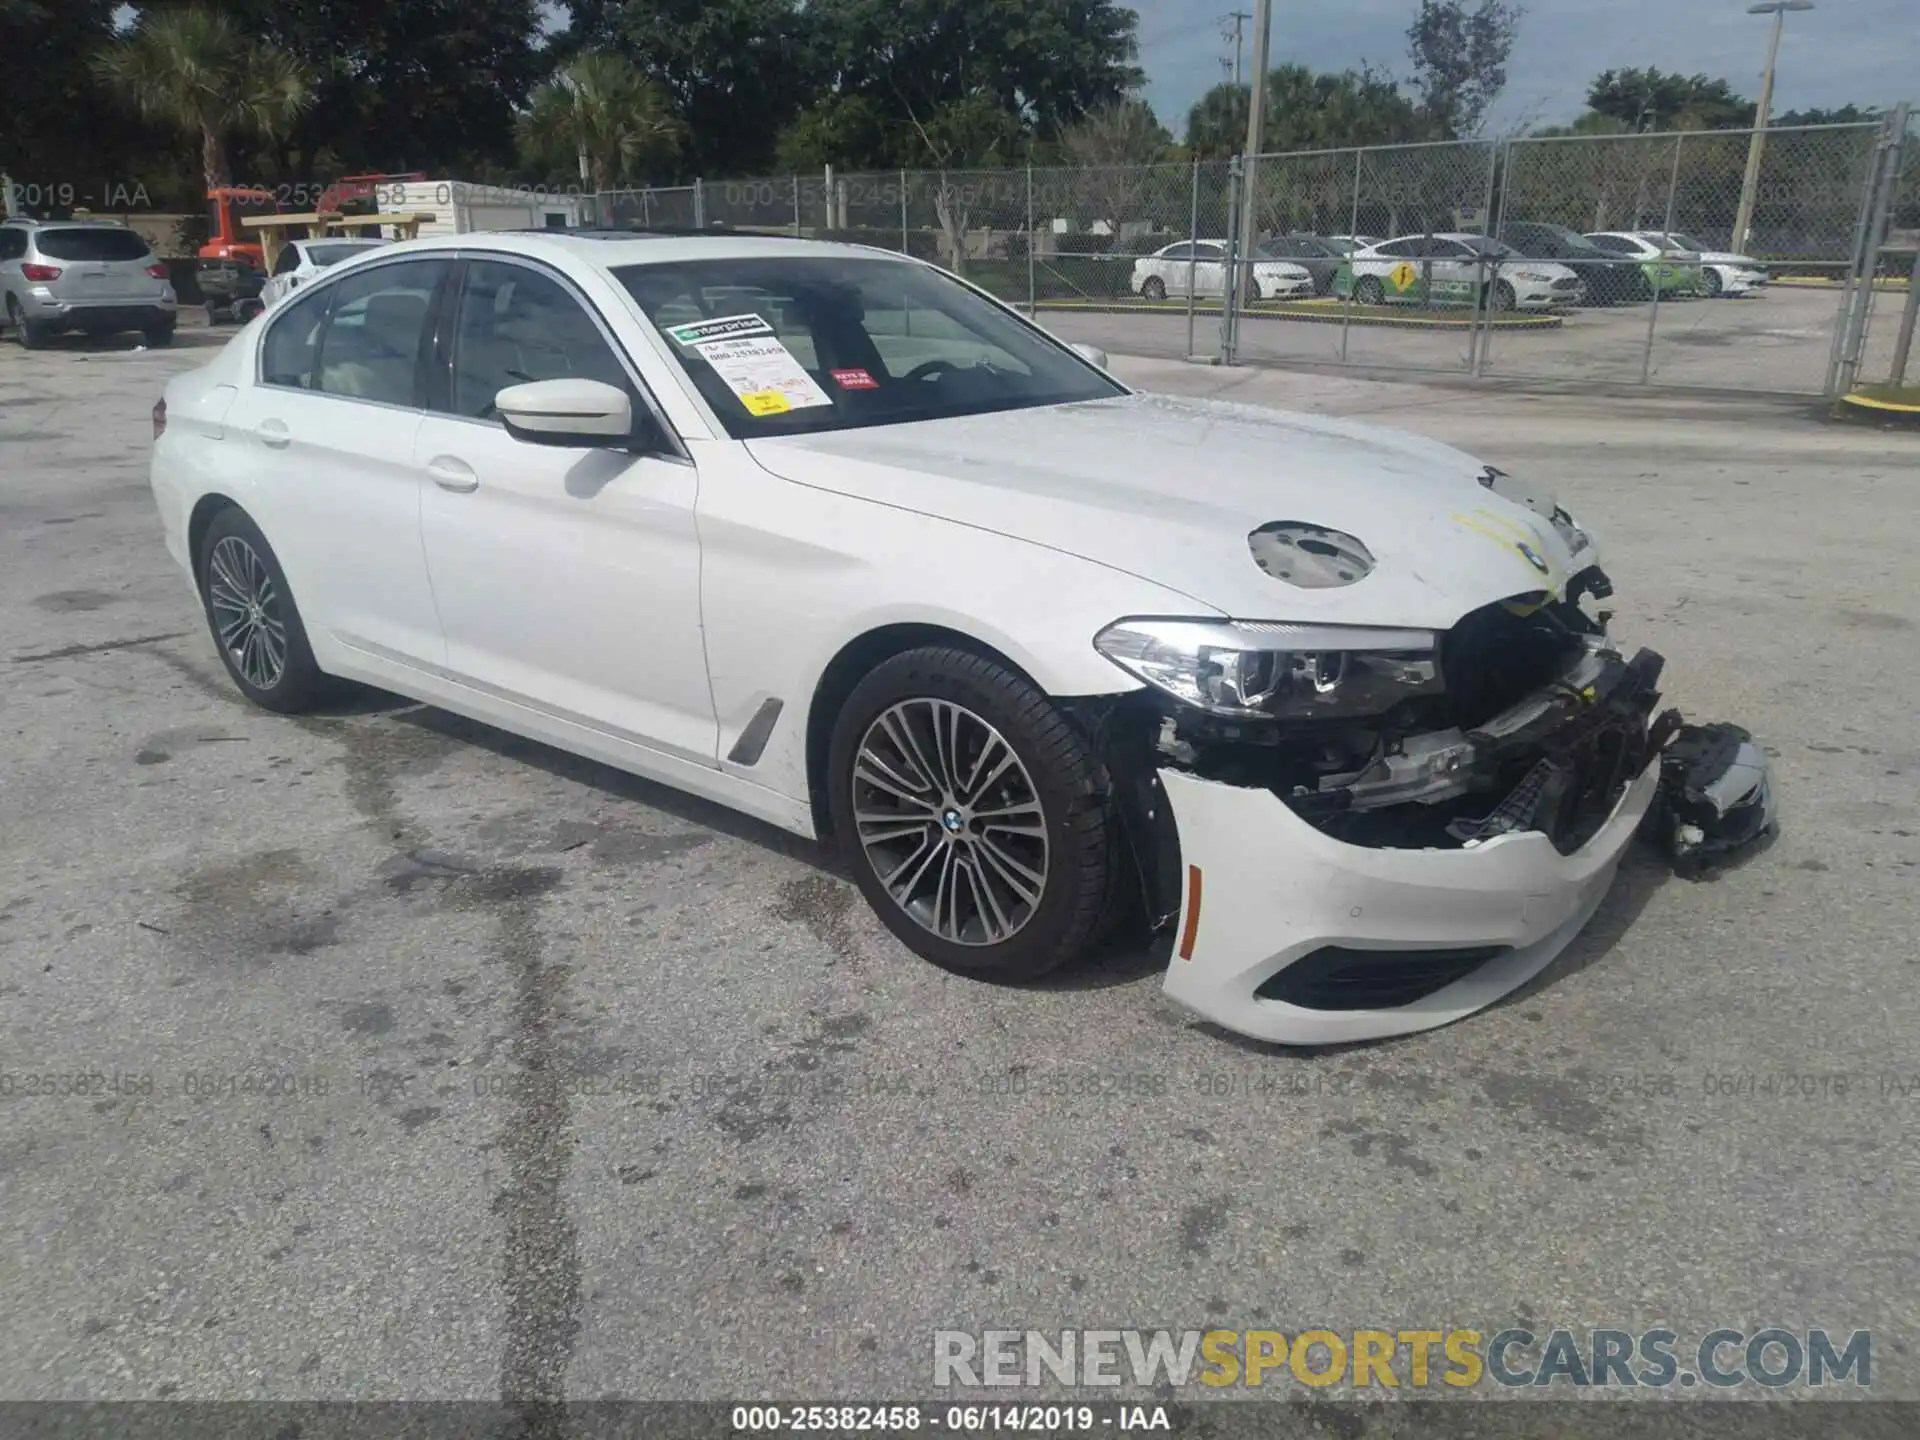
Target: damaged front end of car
{"points": [[1455, 803]]}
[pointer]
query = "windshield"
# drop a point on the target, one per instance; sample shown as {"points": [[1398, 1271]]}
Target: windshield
{"points": [[1289, 247], [794, 345], [1684, 242], [325, 255], [1487, 246], [91, 243]]}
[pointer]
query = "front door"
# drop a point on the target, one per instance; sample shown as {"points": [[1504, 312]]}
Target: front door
{"points": [[567, 580]]}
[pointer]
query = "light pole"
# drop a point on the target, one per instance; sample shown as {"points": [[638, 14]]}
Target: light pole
{"points": [[1256, 141], [1749, 187]]}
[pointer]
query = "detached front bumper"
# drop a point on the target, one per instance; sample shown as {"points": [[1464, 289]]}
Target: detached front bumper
{"points": [[1316, 922]]}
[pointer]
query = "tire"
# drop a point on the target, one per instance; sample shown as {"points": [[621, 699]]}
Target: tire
{"points": [[1503, 296], [1154, 289], [30, 335], [236, 565], [1710, 283], [1020, 930], [1369, 291], [158, 336]]}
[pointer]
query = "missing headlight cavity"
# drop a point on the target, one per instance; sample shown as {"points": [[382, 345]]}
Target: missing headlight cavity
{"points": [[1310, 556]]}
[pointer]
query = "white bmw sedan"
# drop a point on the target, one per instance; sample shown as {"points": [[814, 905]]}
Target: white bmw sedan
{"points": [[828, 536]]}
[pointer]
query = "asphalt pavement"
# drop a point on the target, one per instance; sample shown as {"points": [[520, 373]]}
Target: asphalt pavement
{"points": [[377, 1054]]}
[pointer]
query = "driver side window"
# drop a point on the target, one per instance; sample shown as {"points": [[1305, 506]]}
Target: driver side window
{"points": [[515, 325]]}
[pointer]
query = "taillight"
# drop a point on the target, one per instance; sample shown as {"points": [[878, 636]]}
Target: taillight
{"points": [[157, 271], [159, 417], [40, 272]]}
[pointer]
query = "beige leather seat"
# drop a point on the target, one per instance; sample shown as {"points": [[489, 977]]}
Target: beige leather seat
{"points": [[376, 359]]}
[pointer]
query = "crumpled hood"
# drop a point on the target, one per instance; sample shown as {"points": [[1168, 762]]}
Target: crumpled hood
{"points": [[1169, 488]]}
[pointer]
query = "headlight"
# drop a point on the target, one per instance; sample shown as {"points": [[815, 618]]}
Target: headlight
{"points": [[1258, 669], [1539, 277]]}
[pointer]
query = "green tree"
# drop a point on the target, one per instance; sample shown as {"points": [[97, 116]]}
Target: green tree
{"points": [[403, 85], [194, 70], [1845, 115], [1307, 111], [1644, 100], [839, 130], [736, 73], [601, 115], [1460, 59], [58, 140]]}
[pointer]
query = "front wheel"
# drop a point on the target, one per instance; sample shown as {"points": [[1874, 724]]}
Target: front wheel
{"points": [[1503, 296], [1710, 283], [974, 817]]}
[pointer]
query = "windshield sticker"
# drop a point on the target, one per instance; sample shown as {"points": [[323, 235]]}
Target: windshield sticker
{"points": [[762, 371], [854, 380], [726, 327]]}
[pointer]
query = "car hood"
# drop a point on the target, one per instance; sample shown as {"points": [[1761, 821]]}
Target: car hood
{"points": [[1727, 257], [1169, 489]]}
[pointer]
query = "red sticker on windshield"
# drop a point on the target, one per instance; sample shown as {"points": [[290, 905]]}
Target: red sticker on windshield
{"points": [[854, 380]]}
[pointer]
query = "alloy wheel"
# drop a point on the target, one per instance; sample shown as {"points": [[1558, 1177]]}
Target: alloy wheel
{"points": [[950, 821], [247, 613]]}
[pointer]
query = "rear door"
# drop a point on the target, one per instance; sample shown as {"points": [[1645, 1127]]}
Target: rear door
{"points": [[333, 415], [1210, 274]]}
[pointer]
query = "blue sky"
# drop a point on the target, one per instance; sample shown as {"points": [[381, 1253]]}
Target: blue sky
{"points": [[1863, 51]]}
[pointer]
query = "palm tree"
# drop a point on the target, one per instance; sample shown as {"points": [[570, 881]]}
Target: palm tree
{"points": [[602, 111], [194, 69]]}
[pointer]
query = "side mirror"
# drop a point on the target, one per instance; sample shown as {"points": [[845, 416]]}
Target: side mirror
{"points": [[1089, 354], [575, 414]]}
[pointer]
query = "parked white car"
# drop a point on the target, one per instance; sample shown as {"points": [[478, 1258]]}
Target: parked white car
{"points": [[1722, 272], [1203, 263], [301, 261], [1458, 268], [828, 537]]}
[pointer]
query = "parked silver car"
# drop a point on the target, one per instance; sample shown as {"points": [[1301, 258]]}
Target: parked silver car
{"points": [[89, 275]]}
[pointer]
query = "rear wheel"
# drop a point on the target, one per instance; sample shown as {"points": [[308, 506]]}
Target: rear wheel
{"points": [[974, 816], [30, 335], [1369, 291], [158, 335], [255, 624], [1155, 288]]}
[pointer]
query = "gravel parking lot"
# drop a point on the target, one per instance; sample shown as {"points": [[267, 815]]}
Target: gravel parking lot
{"points": [[437, 1064]]}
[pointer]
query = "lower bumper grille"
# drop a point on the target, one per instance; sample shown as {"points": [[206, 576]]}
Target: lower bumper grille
{"points": [[1336, 978]]}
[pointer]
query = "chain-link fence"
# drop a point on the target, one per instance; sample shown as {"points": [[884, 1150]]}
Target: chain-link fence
{"points": [[1716, 259]]}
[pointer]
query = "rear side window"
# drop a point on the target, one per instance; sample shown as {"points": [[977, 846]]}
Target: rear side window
{"points": [[370, 348], [292, 342], [82, 244], [325, 255], [13, 243]]}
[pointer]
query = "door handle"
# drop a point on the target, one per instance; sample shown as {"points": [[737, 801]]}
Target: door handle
{"points": [[451, 474], [274, 433]]}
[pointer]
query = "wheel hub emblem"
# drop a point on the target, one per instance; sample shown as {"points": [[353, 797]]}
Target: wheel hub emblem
{"points": [[951, 819]]}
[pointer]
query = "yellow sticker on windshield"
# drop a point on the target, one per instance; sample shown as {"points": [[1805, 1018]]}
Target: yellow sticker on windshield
{"points": [[766, 402]]}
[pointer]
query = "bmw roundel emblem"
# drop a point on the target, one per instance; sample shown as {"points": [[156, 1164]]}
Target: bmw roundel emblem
{"points": [[1533, 557]]}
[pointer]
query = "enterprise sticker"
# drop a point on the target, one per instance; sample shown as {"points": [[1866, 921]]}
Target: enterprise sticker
{"points": [[726, 327]]}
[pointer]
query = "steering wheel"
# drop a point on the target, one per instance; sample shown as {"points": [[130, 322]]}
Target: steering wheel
{"points": [[930, 369]]}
